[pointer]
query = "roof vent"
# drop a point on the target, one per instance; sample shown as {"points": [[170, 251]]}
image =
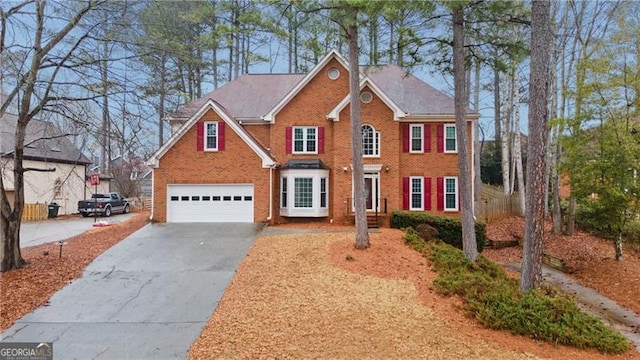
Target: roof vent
{"points": [[366, 97], [333, 73]]}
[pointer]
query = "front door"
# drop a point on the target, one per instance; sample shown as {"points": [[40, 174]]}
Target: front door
{"points": [[372, 190]]}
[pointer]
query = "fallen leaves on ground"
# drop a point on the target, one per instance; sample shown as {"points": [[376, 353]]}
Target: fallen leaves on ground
{"points": [[24, 290], [590, 259], [315, 296]]}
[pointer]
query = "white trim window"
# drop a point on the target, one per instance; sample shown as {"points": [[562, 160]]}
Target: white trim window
{"points": [[450, 140], [305, 140], [211, 136], [416, 193], [304, 192], [451, 193], [283, 192], [416, 132], [323, 193], [370, 141]]}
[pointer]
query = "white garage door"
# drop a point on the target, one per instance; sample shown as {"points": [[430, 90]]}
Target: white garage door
{"points": [[210, 203]]}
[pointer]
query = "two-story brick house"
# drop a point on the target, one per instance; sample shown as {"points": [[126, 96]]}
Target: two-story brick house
{"points": [[276, 148]]}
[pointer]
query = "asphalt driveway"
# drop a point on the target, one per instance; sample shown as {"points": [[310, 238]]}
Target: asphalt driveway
{"points": [[39, 232], [148, 297]]}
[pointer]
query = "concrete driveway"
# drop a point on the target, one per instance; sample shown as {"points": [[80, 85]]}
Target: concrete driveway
{"points": [[148, 297], [40, 232]]}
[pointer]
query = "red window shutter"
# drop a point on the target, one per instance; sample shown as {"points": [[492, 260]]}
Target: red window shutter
{"points": [[221, 136], [405, 138], [321, 140], [427, 138], [405, 193], [200, 141], [440, 182], [440, 138], [287, 131], [427, 193]]}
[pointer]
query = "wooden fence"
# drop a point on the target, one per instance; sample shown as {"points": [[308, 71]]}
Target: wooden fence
{"points": [[494, 204], [35, 212]]}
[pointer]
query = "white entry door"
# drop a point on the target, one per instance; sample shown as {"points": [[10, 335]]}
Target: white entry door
{"points": [[210, 203]]}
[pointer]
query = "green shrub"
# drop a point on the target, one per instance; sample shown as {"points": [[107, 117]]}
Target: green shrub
{"points": [[493, 297], [413, 239], [631, 232], [449, 230]]}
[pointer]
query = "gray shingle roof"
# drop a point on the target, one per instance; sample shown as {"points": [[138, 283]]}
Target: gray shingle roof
{"points": [[412, 95], [249, 96], [254, 95], [305, 164], [43, 142]]}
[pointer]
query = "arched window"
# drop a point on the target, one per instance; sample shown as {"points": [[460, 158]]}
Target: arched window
{"points": [[370, 141]]}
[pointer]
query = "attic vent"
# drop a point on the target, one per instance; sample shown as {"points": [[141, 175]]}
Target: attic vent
{"points": [[333, 73], [366, 97]]}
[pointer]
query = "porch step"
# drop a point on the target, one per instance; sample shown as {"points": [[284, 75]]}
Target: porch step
{"points": [[373, 222]]}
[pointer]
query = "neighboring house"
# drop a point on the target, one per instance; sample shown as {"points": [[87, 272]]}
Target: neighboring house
{"points": [[276, 148], [131, 176], [45, 148]]}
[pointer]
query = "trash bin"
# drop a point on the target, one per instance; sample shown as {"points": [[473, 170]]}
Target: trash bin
{"points": [[53, 210]]}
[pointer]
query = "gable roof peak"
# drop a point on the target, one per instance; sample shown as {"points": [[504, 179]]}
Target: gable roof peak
{"points": [[333, 54]]}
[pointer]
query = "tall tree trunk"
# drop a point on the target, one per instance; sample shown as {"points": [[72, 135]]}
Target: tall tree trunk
{"points": [[161, 104], [105, 133], [477, 181], [296, 65], [618, 246], [505, 145], [362, 231], [230, 51], [553, 177], [517, 141], [10, 254], [497, 130], [537, 146], [556, 210], [391, 38], [571, 217], [290, 42], [469, 244], [214, 61], [236, 38]]}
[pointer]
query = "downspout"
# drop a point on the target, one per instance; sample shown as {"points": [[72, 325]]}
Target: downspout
{"points": [[153, 192], [473, 170], [270, 192]]}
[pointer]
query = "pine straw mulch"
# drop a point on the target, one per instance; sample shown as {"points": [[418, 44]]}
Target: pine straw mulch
{"points": [[590, 259], [299, 296], [24, 290]]}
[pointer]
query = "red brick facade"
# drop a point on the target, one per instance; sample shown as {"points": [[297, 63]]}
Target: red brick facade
{"points": [[184, 164], [238, 163]]}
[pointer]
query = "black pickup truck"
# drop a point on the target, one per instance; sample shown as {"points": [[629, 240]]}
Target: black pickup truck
{"points": [[104, 204]]}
